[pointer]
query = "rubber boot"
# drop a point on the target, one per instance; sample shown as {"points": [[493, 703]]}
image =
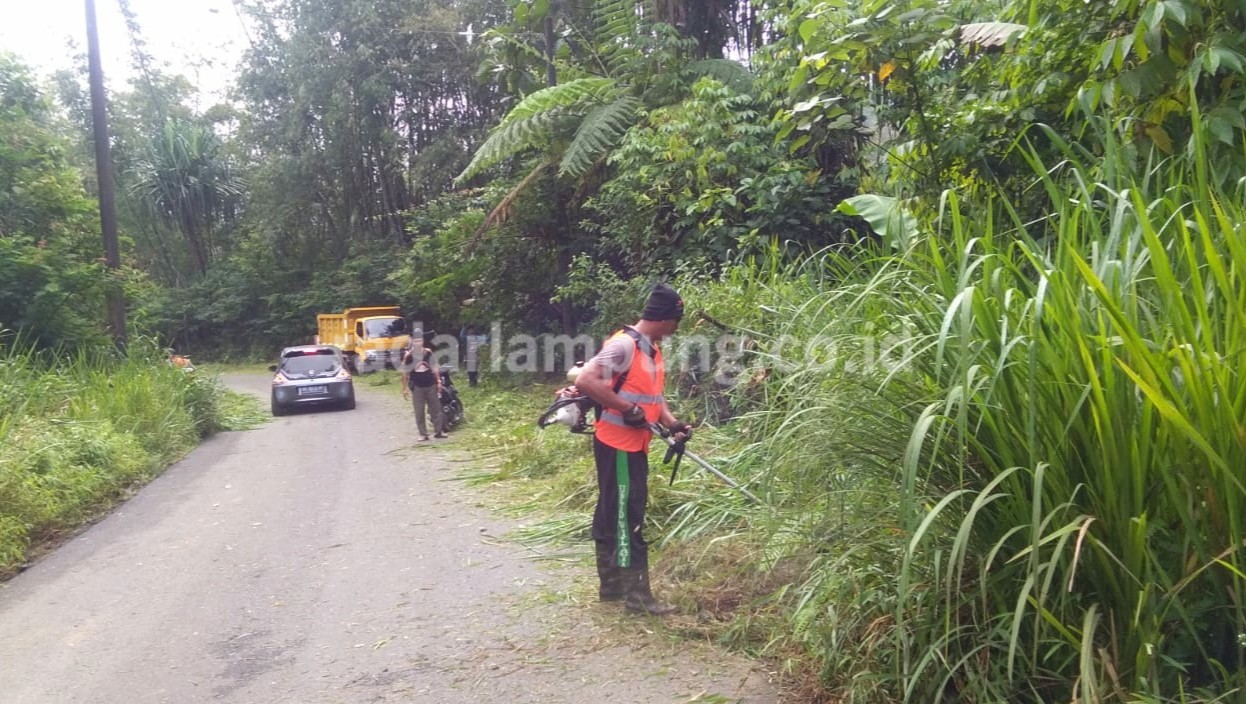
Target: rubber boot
{"points": [[611, 588], [639, 598]]}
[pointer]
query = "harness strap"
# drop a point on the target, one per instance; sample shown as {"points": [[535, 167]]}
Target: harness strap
{"points": [[621, 379]]}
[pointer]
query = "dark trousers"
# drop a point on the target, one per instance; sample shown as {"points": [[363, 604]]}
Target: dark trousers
{"points": [[426, 397], [622, 492]]}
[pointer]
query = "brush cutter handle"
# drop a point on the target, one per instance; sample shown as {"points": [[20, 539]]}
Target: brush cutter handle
{"points": [[665, 433]]}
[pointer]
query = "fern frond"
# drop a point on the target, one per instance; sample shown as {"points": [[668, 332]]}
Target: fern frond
{"points": [[502, 42], [611, 16], [536, 119], [510, 139], [583, 92], [732, 74], [600, 131], [615, 26]]}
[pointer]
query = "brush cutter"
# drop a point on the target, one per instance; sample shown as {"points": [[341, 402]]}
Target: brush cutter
{"points": [[677, 449], [572, 410], [570, 406]]}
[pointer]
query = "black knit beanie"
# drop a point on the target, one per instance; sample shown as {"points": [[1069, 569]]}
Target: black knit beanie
{"points": [[663, 304]]}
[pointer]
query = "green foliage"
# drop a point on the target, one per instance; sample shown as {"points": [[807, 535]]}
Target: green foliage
{"points": [[732, 74], [530, 123], [577, 124], [51, 281], [946, 90], [455, 273], [996, 467], [1044, 432], [1154, 52], [185, 180], [341, 96], [644, 65], [1110, 374], [600, 131], [350, 115], [594, 285], [878, 70], [78, 431], [437, 274], [706, 176], [886, 216]]}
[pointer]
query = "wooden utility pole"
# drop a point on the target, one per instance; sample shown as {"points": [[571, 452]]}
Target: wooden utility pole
{"points": [[103, 170]]}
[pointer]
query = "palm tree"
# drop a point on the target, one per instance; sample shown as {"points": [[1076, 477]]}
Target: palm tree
{"points": [[187, 182]]}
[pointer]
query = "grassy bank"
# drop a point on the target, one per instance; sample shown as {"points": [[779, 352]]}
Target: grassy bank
{"points": [[728, 564], [80, 430], [1002, 465]]}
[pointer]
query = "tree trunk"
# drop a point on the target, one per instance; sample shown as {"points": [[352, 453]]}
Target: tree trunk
{"points": [[197, 251], [567, 309], [551, 74], [103, 172]]}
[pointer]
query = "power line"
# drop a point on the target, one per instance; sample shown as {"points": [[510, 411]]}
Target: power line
{"points": [[245, 29]]}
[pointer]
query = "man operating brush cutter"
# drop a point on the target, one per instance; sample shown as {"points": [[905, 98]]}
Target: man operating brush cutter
{"points": [[625, 383], [626, 378]]}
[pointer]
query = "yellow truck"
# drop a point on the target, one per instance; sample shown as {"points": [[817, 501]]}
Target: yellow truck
{"points": [[371, 338]]}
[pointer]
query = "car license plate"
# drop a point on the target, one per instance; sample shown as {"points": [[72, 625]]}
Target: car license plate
{"points": [[310, 390]]}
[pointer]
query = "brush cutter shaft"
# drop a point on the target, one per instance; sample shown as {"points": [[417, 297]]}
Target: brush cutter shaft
{"points": [[726, 480], [665, 434]]}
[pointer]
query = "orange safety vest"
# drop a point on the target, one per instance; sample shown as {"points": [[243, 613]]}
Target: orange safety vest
{"points": [[642, 386]]}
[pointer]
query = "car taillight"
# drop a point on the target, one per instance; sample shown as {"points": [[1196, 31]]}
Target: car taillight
{"points": [[279, 379], [343, 373]]}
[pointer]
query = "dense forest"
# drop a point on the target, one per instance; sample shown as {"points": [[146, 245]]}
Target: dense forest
{"points": [[1032, 211]]}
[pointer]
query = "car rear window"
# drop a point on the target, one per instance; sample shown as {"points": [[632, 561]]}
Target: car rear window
{"points": [[320, 362], [329, 351]]}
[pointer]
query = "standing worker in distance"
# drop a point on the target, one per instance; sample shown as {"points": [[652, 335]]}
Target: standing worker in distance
{"points": [[627, 378], [473, 341], [422, 384]]}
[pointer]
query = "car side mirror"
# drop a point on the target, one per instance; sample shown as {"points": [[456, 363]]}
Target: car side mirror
{"points": [[272, 367]]}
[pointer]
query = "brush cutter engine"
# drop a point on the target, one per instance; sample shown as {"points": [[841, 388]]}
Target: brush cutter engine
{"points": [[570, 407]]}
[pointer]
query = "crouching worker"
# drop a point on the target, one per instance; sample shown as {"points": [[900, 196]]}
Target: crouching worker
{"points": [[627, 378]]}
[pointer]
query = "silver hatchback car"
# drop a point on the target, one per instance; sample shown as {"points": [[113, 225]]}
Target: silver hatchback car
{"points": [[311, 375]]}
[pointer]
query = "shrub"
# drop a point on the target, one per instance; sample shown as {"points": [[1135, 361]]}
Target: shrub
{"points": [[78, 430]]}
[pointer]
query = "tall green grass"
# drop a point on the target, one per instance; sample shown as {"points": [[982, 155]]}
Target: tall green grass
{"points": [[1043, 488], [1005, 465], [79, 429], [1089, 443], [830, 398]]}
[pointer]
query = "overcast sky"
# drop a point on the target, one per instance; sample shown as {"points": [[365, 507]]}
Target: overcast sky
{"points": [[181, 34]]}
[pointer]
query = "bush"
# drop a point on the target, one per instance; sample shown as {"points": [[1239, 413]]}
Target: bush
{"points": [[1008, 470], [77, 431]]}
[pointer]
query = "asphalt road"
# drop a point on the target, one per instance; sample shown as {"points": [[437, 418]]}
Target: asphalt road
{"points": [[323, 558]]}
